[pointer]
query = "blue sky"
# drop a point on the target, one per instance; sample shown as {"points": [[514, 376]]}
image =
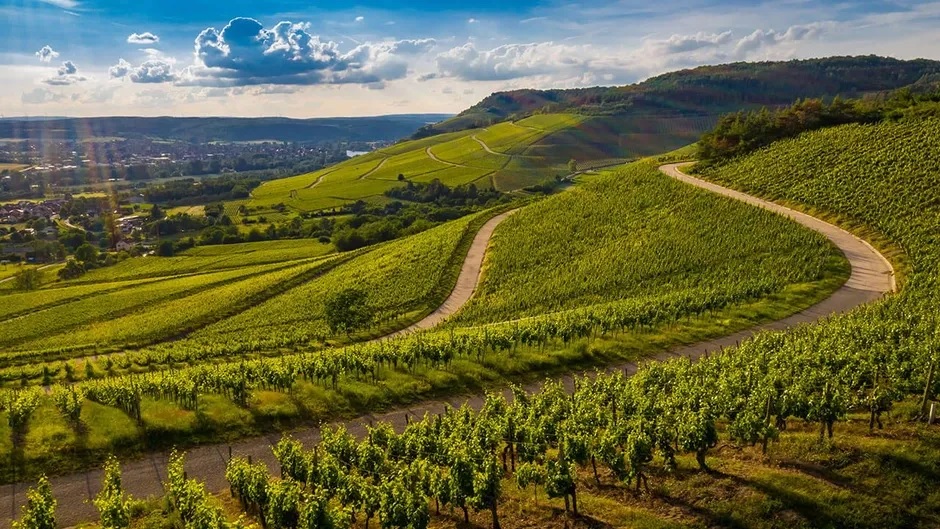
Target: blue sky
{"points": [[328, 58]]}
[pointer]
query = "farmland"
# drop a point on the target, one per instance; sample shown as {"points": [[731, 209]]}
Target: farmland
{"points": [[202, 346], [803, 425], [455, 159], [762, 354]]}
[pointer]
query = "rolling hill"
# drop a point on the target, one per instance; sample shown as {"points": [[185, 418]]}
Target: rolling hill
{"points": [[511, 140]]}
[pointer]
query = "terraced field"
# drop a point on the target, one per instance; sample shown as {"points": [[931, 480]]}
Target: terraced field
{"points": [[495, 156]]}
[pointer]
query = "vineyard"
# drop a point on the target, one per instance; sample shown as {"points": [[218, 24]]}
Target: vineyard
{"points": [[638, 235], [804, 409], [250, 351], [496, 156]]}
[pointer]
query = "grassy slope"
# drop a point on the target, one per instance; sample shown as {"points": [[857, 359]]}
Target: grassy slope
{"points": [[631, 233], [462, 160]]}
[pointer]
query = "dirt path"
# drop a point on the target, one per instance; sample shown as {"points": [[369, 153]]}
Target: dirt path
{"points": [[436, 159], [467, 281], [374, 169], [871, 278], [487, 147]]}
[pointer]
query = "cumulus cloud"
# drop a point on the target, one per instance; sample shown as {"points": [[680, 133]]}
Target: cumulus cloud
{"points": [[579, 65], [360, 18], [144, 38], [767, 38], [151, 71], [67, 74], [510, 61], [245, 53], [687, 43], [46, 54], [39, 96]]}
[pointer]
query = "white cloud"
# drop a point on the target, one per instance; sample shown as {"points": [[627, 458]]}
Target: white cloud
{"points": [[40, 96], [769, 38], [151, 71], [511, 61], [686, 43], [144, 38], [46, 54], [67, 74], [472, 21], [245, 53], [64, 4], [360, 18]]}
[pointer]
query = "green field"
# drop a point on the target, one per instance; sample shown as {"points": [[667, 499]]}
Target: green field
{"points": [[634, 233], [461, 158], [256, 328]]}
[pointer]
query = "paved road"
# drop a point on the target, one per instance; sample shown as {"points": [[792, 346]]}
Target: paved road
{"points": [[871, 278]]}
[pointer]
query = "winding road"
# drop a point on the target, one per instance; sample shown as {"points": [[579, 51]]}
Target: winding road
{"points": [[487, 147], [432, 156], [871, 278]]}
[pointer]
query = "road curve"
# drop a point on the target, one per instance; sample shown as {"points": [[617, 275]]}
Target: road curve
{"points": [[467, 281], [487, 147], [871, 278], [434, 157], [871, 272]]}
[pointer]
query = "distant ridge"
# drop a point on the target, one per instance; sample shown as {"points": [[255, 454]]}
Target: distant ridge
{"points": [[706, 90], [672, 110], [204, 129]]}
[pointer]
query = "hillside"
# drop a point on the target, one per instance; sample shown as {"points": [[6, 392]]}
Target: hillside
{"points": [[202, 130], [500, 157], [671, 110]]}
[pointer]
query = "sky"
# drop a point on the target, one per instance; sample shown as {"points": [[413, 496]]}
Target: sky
{"points": [[325, 58]]}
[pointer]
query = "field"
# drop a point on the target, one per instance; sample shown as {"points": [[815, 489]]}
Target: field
{"points": [[11, 167], [635, 234], [490, 157], [233, 350], [818, 426]]}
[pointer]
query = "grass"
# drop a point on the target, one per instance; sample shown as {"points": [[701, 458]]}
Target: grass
{"points": [[12, 167], [463, 160]]}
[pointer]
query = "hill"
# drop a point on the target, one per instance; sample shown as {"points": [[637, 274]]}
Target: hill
{"points": [[499, 157], [671, 110], [512, 140], [202, 130], [706, 90]]}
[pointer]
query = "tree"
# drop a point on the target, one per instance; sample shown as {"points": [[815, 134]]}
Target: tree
{"points": [[572, 166], [86, 253], [39, 511], [347, 311], [28, 279], [71, 270], [166, 249], [156, 213]]}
